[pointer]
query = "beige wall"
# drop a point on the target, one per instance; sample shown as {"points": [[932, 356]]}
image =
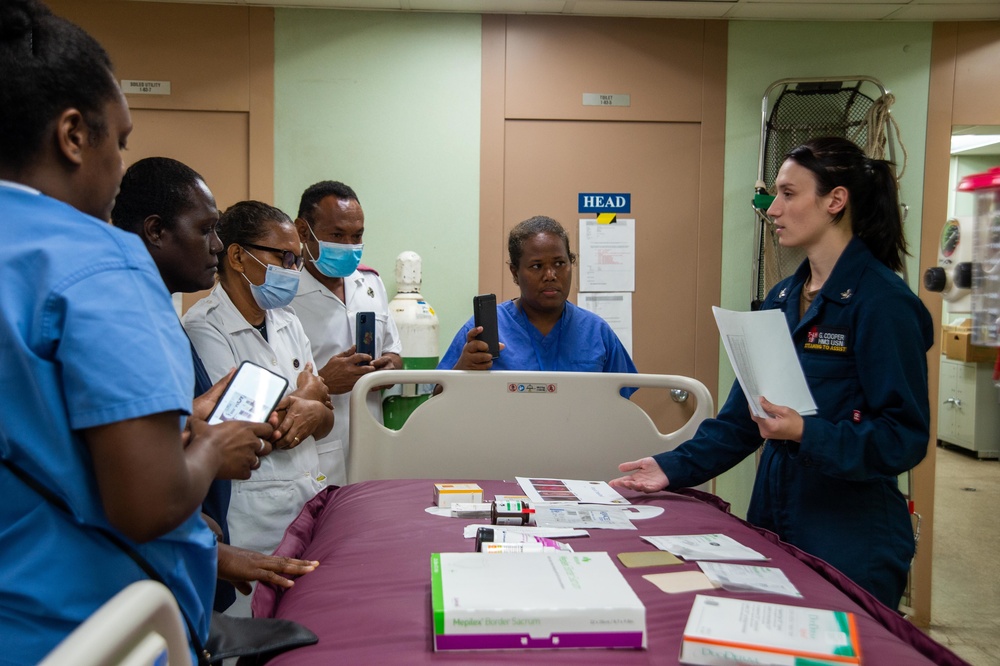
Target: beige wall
{"points": [[541, 147], [964, 90], [219, 115]]}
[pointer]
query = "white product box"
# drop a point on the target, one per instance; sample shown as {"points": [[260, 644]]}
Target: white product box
{"points": [[446, 494], [533, 600], [733, 632]]}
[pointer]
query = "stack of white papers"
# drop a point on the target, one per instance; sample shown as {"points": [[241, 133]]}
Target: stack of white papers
{"points": [[704, 547], [546, 490], [762, 355], [749, 578], [583, 516]]}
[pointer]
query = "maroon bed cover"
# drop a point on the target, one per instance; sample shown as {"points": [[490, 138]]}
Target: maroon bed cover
{"points": [[369, 600]]}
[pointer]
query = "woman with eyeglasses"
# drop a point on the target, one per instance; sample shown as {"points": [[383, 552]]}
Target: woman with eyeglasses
{"points": [[246, 318]]}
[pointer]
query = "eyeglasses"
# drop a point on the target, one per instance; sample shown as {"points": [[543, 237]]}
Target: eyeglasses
{"points": [[288, 258]]}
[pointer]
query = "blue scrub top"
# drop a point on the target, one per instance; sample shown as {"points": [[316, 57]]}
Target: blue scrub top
{"points": [[579, 342], [88, 337]]}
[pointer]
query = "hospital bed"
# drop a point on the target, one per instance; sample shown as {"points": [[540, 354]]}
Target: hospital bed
{"points": [[139, 626], [497, 425], [369, 600]]}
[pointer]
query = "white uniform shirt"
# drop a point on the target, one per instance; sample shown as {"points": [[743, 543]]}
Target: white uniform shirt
{"points": [[329, 324], [263, 506]]}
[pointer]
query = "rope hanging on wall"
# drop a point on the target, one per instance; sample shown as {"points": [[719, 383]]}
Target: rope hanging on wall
{"points": [[880, 122]]}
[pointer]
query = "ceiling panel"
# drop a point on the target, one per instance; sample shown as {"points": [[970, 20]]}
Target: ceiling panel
{"points": [[330, 4], [651, 8], [804, 10], [869, 11], [979, 11], [489, 6]]}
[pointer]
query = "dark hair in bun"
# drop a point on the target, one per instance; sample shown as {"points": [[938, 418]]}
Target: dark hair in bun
{"points": [[48, 65]]}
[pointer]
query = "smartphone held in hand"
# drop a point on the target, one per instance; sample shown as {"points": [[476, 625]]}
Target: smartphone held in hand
{"points": [[365, 334], [484, 308], [251, 395]]}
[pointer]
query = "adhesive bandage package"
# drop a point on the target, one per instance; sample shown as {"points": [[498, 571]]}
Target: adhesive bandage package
{"points": [[446, 494]]}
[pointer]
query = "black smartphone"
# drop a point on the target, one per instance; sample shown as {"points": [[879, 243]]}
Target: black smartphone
{"points": [[364, 333], [484, 309], [251, 395]]}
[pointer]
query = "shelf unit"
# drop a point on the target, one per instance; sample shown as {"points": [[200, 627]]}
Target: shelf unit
{"points": [[969, 411]]}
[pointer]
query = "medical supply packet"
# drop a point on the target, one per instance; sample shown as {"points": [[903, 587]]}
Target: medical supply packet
{"points": [[532, 601]]}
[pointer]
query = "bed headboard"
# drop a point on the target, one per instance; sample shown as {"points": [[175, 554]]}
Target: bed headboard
{"points": [[498, 425]]}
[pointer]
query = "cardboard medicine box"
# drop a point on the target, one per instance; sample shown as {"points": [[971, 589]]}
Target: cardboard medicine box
{"points": [[446, 494], [956, 344], [527, 601], [724, 631]]}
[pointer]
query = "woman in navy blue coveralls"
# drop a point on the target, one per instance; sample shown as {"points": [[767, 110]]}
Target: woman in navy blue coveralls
{"points": [[827, 483]]}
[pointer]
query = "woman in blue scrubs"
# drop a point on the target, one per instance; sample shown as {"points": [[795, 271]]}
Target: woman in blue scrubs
{"points": [[540, 330], [96, 450], [827, 483]]}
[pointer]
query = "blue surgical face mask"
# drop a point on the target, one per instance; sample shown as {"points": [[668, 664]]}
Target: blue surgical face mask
{"points": [[336, 260], [279, 288]]}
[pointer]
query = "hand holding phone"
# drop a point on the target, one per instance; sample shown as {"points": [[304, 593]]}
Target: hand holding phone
{"points": [[364, 334], [251, 395], [484, 309]]}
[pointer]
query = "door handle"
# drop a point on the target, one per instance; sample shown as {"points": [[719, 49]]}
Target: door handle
{"points": [[678, 395]]}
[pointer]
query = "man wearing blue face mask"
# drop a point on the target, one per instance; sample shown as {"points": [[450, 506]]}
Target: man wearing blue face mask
{"points": [[334, 287]]}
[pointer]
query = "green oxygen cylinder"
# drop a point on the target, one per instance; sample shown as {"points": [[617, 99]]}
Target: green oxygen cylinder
{"points": [[418, 331]]}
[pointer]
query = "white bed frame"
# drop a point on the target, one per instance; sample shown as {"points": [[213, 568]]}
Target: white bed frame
{"points": [[136, 627], [493, 425]]}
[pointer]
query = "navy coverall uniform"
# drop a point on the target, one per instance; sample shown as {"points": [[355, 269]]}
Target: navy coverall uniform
{"points": [[862, 345]]}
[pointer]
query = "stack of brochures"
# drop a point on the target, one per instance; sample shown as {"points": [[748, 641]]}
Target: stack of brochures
{"points": [[704, 547], [724, 632]]}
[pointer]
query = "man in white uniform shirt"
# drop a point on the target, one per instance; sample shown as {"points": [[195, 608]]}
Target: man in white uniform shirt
{"points": [[335, 287]]}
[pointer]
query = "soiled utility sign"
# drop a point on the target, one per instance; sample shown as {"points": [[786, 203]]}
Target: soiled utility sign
{"points": [[133, 87]]}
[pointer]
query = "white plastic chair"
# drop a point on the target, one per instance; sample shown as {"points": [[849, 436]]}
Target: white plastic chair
{"points": [[492, 425], [139, 626]]}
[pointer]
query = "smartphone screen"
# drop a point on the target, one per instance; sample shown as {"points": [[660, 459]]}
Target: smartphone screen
{"points": [[365, 333], [251, 395], [484, 309]]}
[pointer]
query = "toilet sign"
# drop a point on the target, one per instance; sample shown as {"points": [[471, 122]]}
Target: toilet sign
{"points": [[604, 202]]}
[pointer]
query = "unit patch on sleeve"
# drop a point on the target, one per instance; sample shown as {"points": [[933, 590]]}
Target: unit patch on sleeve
{"points": [[827, 339]]}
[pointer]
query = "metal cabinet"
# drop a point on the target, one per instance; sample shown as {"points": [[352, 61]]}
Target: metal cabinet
{"points": [[969, 412]]}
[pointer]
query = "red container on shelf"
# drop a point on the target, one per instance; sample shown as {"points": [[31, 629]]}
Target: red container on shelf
{"points": [[985, 256]]}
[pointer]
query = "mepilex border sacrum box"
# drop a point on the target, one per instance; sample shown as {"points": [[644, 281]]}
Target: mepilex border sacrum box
{"points": [[524, 601]]}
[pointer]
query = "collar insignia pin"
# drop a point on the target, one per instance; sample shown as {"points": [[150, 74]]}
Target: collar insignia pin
{"points": [[844, 295], [782, 293], [371, 293]]}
